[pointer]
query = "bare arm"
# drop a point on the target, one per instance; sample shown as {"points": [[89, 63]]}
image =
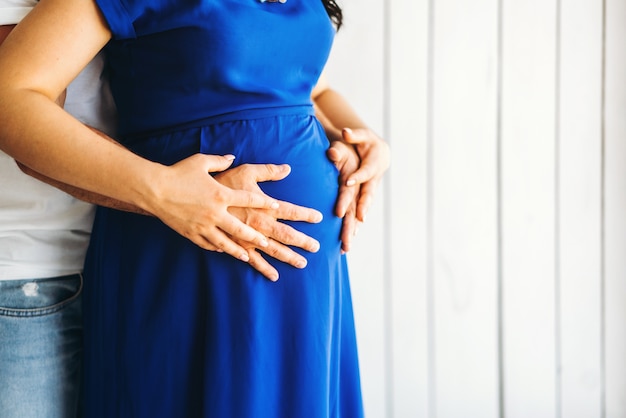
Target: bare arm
{"points": [[78, 193]]}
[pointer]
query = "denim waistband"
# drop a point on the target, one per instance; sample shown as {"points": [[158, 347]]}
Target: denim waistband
{"points": [[36, 297]]}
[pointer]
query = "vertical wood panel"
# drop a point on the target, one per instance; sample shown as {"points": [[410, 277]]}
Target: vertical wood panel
{"points": [[464, 167], [556, 229], [528, 207], [615, 209], [408, 54], [356, 70], [580, 206]]}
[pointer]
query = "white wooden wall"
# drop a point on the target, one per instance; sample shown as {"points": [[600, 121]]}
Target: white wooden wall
{"points": [[490, 278]]}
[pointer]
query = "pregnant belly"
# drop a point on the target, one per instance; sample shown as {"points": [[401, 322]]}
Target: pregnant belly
{"points": [[297, 140], [312, 182]]}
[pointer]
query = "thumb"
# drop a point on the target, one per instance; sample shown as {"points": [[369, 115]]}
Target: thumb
{"points": [[355, 136], [215, 163], [270, 172], [337, 152]]}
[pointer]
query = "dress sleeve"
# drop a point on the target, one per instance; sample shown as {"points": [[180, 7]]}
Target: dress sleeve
{"points": [[119, 16], [129, 19], [13, 11]]}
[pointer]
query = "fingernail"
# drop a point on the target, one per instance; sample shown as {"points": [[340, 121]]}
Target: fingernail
{"points": [[244, 257], [275, 205], [348, 130], [229, 157], [301, 264], [274, 277], [350, 182], [264, 243]]}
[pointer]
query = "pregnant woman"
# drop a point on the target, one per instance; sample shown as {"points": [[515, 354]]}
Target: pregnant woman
{"points": [[171, 329]]}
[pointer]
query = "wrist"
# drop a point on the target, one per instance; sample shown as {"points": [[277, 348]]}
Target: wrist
{"points": [[149, 188]]}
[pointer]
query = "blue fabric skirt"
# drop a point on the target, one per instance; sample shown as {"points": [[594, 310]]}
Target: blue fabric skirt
{"points": [[176, 331]]}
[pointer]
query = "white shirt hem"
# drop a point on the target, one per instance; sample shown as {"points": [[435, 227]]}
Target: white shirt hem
{"points": [[13, 15], [25, 274]]}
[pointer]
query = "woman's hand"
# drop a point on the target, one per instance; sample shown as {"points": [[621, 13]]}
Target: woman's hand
{"points": [[360, 155], [246, 178], [361, 158]]}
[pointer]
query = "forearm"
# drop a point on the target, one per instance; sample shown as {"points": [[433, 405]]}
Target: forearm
{"points": [[45, 138], [335, 113], [84, 195]]}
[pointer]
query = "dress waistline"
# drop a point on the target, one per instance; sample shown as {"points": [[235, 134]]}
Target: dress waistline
{"points": [[246, 114]]}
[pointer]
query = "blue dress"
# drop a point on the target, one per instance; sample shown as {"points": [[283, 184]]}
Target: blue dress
{"points": [[172, 330]]}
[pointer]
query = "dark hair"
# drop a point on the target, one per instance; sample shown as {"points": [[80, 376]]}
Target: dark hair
{"points": [[334, 12]]}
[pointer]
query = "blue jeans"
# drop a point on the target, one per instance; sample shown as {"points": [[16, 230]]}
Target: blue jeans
{"points": [[40, 347]]}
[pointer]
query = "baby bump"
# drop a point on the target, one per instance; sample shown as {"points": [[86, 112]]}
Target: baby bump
{"points": [[313, 180], [297, 140]]}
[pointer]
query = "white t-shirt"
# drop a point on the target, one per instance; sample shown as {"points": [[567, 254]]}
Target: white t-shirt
{"points": [[43, 231]]}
